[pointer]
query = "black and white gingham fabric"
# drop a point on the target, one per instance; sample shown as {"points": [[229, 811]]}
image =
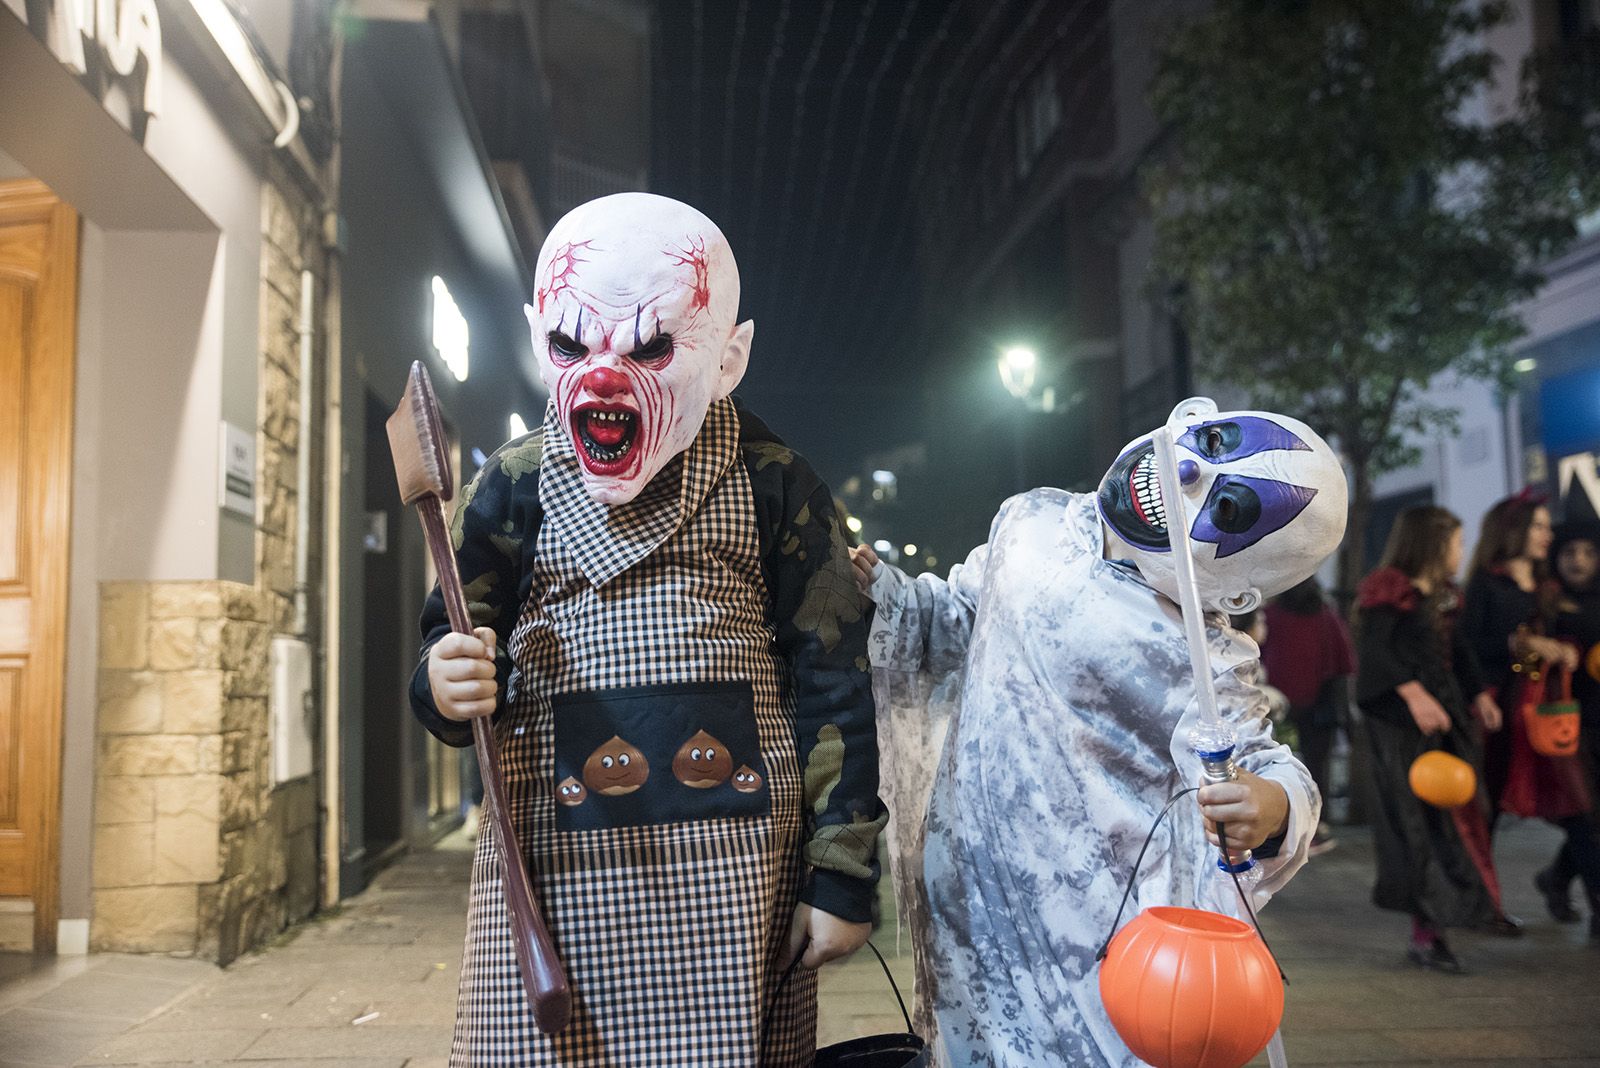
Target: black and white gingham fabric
{"points": [[672, 934]]}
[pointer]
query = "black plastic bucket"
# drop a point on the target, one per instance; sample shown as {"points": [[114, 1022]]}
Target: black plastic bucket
{"points": [[876, 1051], [903, 1050]]}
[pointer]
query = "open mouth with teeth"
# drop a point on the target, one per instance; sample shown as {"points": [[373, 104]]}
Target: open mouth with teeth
{"points": [[605, 435], [1130, 500]]}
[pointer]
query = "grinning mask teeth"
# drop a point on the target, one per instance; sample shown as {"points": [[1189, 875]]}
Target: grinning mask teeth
{"points": [[634, 326], [1264, 504]]}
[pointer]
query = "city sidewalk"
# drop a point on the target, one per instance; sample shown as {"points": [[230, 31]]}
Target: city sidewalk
{"points": [[373, 986]]}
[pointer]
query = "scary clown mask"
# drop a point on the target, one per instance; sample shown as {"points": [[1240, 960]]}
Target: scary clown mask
{"points": [[1263, 500], [634, 327]]}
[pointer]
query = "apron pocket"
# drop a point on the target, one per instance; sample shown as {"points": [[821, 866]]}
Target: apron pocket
{"points": [[643, 755]]}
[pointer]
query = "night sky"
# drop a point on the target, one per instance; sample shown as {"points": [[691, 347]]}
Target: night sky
{"points": [[798, 127]]}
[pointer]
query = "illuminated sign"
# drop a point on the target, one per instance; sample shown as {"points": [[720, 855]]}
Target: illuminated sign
{"points": [[450, 334], [107, 37]]}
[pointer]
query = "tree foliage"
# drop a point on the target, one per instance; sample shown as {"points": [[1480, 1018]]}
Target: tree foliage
{"points": [[1344, 220]]}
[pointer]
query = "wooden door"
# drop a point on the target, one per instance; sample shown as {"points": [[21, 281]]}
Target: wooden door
{"points": [[38, 311]]}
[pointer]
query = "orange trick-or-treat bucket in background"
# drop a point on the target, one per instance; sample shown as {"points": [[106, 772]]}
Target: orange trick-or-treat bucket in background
{"points": [[1443, 779]]}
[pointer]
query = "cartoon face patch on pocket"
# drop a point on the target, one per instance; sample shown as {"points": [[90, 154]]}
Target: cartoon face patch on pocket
{"points": [[612, 746], [702, 762], [615, 768]]}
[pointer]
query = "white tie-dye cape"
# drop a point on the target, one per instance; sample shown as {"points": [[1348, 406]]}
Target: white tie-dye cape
{"points": [[1033, 716]]}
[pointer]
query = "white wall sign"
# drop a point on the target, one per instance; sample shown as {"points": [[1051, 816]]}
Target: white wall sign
{"points": [[114, 32], [236, 490], [1580, 468], [450, 333]]}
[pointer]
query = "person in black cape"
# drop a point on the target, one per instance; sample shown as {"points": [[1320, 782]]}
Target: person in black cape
{"points": [[1418, 687]]}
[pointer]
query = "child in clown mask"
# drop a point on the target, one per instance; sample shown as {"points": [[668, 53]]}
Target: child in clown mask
{"points": [[674, 652], [1037, 706]]}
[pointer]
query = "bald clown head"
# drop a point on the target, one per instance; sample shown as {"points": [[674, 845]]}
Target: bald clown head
{"points": [[634, 325]]}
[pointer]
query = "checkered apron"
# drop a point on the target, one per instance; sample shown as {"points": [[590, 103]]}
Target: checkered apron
{"points": [[671, 933]]}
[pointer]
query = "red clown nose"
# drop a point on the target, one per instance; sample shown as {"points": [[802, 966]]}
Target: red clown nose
{"points": [[604, 382]]}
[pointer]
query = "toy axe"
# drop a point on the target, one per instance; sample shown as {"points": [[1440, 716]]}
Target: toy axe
{"points": [[416, 437]]}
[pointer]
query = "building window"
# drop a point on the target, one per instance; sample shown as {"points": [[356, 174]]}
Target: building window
{"points": [[1038, 117], [1574, 18]]}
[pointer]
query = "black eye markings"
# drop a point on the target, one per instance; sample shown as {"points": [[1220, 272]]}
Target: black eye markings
{"points": [[566, 347], [1237, 508], [658, 348]]}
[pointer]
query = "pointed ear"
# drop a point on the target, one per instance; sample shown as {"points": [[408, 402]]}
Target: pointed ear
{"points": [[533, 317], [735, 358]]}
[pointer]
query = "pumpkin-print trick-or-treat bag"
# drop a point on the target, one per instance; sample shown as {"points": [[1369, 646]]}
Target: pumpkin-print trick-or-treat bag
{"points": [[1538, 785], [1553, 723]]}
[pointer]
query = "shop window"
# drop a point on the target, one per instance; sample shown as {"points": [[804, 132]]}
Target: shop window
{"points": [[1574, 18], [1038, 116]]}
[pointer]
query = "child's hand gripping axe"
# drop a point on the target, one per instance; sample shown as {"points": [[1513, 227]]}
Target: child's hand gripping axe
{"points": [[416, 437]]}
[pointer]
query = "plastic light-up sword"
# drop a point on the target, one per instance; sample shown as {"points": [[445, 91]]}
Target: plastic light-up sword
{"points": [[1212, 739]]}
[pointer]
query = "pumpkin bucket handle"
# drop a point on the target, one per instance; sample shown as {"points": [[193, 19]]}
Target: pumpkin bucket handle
{"points": [[1133, 877]]}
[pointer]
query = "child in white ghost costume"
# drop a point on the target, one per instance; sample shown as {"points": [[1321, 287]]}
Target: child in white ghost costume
{"points": [[1056, 656]]}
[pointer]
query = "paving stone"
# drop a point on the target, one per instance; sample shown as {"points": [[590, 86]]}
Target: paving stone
{"points": [[101, 994], [25, 976], [166, 969], [343, 1043], [157, 1047], [54, 1038]]}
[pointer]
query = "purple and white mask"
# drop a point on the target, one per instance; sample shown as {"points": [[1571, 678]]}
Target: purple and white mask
{"points": [[1264, 504]]}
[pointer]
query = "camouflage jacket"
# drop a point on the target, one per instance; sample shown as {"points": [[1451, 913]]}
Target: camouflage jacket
{"points": [[819, 618]]}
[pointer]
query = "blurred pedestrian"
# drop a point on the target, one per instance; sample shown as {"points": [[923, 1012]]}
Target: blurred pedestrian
{"points": [[1308, 656], [1509, 618], [1576, 550], [471, 793], [1253, 625], [1412, 662]]}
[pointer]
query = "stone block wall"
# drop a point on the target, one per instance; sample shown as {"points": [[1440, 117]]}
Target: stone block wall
{"points": [[195, 851], [182, 754]]}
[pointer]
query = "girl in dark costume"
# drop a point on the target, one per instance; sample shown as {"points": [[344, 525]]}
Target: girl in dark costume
{"points": [[1509, 616], [1418, 688], [1577, 555]]}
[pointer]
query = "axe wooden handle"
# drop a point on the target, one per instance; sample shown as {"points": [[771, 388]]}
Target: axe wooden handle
{"points": [[542, 975], [415, 437]]}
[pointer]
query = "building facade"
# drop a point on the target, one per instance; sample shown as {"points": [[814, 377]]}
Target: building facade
{"points": [[1032, 243], [152, 559], [226, 231], [1545, 431]]}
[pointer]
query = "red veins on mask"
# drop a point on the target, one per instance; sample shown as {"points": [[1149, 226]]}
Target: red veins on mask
{"points": [[694, 257], [562, 270]]}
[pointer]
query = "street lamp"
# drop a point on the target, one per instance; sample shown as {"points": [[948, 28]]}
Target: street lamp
{"points": [[1018, 367]]}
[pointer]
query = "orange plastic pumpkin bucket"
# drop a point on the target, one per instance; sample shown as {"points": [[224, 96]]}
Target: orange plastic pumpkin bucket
{"points": [[1191, 989], [1443, 779]]}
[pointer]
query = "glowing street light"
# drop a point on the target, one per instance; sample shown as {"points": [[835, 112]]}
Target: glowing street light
{"points": [[854, 524], [910, 550], [1018, 368]]}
